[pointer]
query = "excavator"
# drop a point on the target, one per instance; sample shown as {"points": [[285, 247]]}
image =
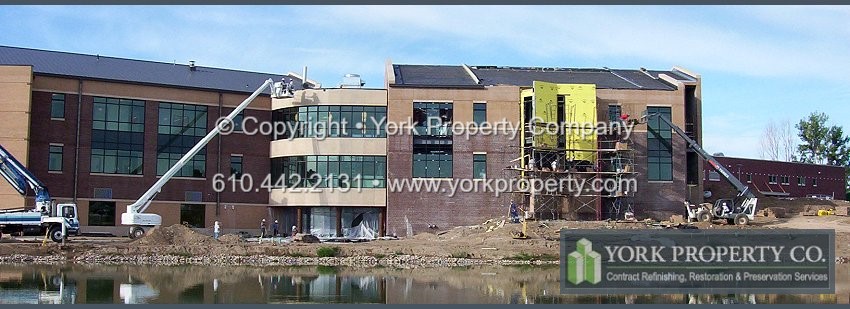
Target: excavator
{"points": [[739, 210]]}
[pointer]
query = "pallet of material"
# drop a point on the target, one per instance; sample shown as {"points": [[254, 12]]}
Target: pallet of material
{"points": [[842, 210]]}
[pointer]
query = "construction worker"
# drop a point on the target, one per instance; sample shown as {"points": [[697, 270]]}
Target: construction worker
{"points": [[216, 229], [263, 228], [294, 230], [514, 213], [274, 229]]}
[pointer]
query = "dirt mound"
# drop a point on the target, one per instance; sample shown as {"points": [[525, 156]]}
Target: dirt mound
{"points": [[230, 239], [177, 234]]}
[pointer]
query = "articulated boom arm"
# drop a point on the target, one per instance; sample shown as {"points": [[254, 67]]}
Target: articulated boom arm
{"points": [[19, 177], [145, 200], [742, 189]]}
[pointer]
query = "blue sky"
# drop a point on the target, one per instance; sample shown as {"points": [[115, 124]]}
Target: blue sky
{"points": [[758, 64]]}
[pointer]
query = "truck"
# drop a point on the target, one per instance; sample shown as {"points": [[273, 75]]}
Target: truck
{"points": [[58, 221], [135, 216], [738, 210]]}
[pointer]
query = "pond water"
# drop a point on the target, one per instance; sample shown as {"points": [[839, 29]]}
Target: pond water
{"points": [[67, 284]]}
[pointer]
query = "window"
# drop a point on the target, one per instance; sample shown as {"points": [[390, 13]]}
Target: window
{"points": [[237, 121], [785, 180], [801, 181], [814, 182], [749, 178], [331, 171], [57, 106], [101, 213], [236, 166], [771, 179], [180, 127], [118, 132], [432, 145], [335, 121], [479, 113], [479, 166], [614, 113], [193, 215], [659, 145], [54, 161], [713, 176]]}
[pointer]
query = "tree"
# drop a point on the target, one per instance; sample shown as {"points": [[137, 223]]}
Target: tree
{"points": [[837, 152], [777, 141], [813, 134]]}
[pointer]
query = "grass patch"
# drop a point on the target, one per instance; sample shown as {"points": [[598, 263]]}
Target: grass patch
{"points": [[398, 252], [327, 252], [296, 254], [379, 256], [460, 255], [522, 256]]}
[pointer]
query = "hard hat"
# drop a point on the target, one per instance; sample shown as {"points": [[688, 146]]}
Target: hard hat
{"points": [[275, 221]]}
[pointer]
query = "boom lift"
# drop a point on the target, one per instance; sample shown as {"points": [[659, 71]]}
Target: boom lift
{"points": [[58, 220], [135, 217], [739, 210]]}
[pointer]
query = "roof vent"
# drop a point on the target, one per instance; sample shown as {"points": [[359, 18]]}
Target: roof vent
{"points": [[352, 81], [192, 65]]}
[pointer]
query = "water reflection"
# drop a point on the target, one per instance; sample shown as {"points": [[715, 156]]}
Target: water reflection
{"points": [[212, 285]]}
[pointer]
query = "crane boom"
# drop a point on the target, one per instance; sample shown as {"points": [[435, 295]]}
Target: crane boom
{"points": [[20, 178], [743, 190], [144, 201]]}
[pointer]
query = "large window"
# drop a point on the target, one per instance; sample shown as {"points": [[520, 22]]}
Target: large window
{"points": [[57, 106], [331, 171], [101, 213], [181, 126], [659, 145], [801, 181], [432, 143], [118, 132], [479, 166], [331, 121], [479, 113], [54, 162], [771, 179], [193, 215], [785, 180]]}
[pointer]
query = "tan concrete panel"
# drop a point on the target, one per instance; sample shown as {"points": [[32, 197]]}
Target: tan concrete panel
{"points": [[329, 146], [376, 197], [373, 97], [55, 84], [15, 74]]}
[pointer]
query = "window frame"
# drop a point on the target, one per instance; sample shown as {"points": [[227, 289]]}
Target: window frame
{"points": [[51, 153], [477, 160], [117, 140], [175, 137], [659, 145], [112, 208], [55, 101], [479, 113]]}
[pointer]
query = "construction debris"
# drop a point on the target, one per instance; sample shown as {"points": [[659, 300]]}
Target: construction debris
{"points": [[306, 238], [842, 210], [774, 212], [677, 219]]}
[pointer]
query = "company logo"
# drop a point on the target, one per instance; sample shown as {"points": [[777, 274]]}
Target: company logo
{"points": [[584, 264]]}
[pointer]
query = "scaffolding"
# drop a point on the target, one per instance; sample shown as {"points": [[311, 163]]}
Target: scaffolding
{"points": [[579, 175]]}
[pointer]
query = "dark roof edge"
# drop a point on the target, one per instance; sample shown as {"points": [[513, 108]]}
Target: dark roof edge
{"points": [[138, 60], [118, 81], [766, 160], [439, 86]]}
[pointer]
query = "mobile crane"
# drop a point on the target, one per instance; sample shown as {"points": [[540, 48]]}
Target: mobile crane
{"points": [[135, 216], [58, 221], [739, 210]]}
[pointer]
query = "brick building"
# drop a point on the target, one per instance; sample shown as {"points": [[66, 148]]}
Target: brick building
{"points": [[776, 178], [99, 130]]}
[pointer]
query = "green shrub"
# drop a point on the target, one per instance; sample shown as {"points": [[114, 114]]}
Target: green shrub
{"points": [[327, 251], [460, 255]]}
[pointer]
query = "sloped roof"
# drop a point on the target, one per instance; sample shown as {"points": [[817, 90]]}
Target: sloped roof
{"points": [[456, 76], [98, 67]]}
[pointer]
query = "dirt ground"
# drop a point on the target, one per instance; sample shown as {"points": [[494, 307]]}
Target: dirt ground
{"points": [[491, 239]]}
